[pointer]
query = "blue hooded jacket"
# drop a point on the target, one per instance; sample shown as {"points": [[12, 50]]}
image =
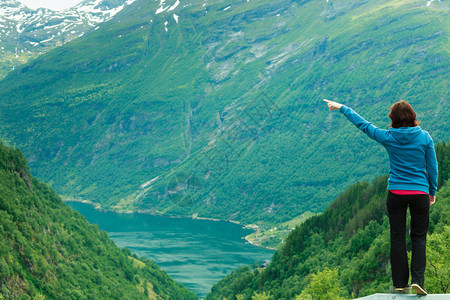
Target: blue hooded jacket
{"points": [[412, 159]]}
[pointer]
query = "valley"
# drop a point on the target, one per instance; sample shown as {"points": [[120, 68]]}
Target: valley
{"points": [[209, 113], [222, 111]]}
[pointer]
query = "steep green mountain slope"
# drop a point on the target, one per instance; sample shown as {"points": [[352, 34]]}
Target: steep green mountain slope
{"points": [[350, 238], [214, 108], [49, 251]]}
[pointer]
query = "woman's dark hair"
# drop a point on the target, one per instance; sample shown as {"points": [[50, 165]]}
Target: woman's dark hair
{"points": [[402, 115]]}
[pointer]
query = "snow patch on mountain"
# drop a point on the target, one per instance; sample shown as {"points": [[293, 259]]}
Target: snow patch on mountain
{"points": [[166, 7], [35, 31], [174, 6]]}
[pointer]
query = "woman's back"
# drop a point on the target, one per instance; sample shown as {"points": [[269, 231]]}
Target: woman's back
{"points": [[409, 149]]}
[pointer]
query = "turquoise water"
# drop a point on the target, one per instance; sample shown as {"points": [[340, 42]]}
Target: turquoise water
{"points": [[197, 253]]}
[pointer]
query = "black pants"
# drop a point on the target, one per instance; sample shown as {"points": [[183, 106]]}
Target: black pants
{"points": [[419, 207]]}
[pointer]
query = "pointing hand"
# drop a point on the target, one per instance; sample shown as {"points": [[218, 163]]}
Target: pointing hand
{"points": [[332, 105]]}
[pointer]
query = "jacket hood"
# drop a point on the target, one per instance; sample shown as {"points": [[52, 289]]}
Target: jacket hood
{"points": [[404, 135]]}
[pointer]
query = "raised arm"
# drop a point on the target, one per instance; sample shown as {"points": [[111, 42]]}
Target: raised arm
{"points": [[372, 131]]}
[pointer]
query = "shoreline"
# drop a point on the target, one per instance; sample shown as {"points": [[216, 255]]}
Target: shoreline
{"points": [[193, 217], [259, 246]]}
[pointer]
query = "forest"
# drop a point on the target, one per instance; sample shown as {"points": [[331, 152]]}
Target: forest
{"points": [[344, 252], [50, 251]]}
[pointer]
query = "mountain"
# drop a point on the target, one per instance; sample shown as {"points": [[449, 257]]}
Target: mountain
{"points": [[26, 33], [344, 252], [214, 108], [49, 251]]}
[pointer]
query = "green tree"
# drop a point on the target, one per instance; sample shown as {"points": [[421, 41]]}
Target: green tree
{"points": [[261, 296], [38, 296], [324, 285], [438, 261]]}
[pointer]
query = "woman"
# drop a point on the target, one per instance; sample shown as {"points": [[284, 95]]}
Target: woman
{"points": [[412, 183]]}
